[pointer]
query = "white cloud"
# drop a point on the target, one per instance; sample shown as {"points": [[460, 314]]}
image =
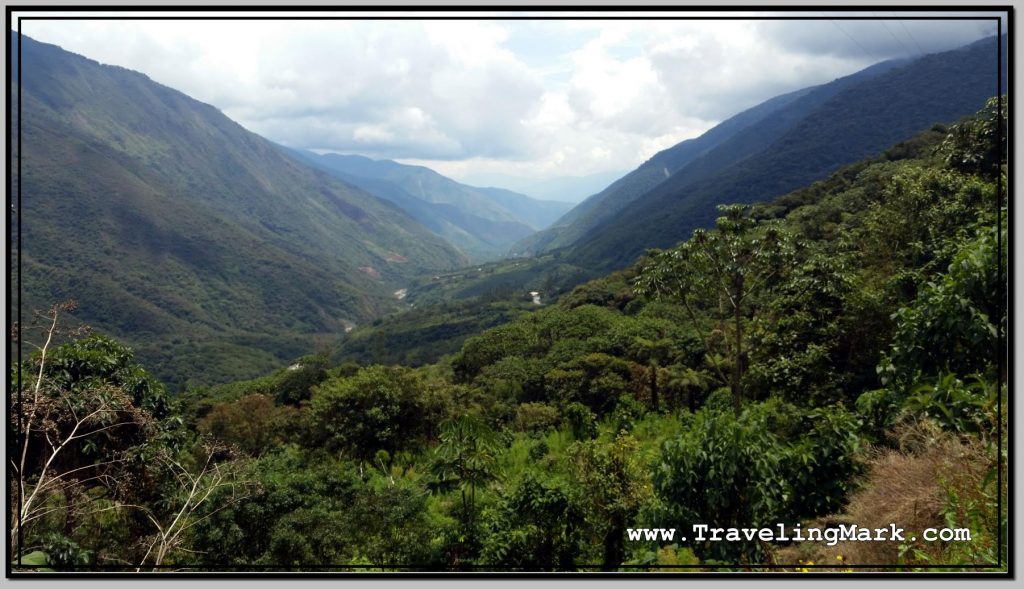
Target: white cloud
{"points": [[533, 98]]}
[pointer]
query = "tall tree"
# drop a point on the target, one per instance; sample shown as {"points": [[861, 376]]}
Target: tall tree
{"points": [[466, 459], [720, 273], [655, 352]]}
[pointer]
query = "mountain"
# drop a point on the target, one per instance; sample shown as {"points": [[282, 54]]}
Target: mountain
{"points": [[561, 188], [803, 141], [735, 138], [189, 237], [536, 213], [483, 222]]}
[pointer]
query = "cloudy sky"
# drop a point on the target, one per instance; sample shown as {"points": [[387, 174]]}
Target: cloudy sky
{"points": [[531, 98]]}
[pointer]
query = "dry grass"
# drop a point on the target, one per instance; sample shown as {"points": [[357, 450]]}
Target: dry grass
{"points": [[908, 487]]}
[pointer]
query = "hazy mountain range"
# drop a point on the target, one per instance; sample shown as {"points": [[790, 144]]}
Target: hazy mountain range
{"points": [[483, 222], [572, 189]]}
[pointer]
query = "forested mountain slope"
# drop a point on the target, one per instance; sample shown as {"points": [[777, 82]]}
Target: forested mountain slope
{"points": [[732, 140], [860, 120], [483, 222], [188, 236]]}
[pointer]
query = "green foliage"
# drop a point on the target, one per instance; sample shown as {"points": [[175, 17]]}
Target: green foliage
{"points": [[978, 145], [917, 211], [466, 454], [253, 423], [512, 339], [554, 332], [295, 519], [297, 383], [536, 417], [612, 291], [514, 378], [425, 334], [770, 464], [96, 360], [535, 527], [93, 418], [962, 407], [307, 512], [954, 323], [596, 380], [727, 269], [821, 461], [62, 552], [796, 340], [465, 460], [725, 471], [582, 421], [719, 400], [615, 487], [948, 335], [539, 450], [379, 408], [627, 412]]}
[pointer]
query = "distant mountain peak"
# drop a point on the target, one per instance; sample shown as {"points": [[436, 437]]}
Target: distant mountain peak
{"points": [[483, 222]]}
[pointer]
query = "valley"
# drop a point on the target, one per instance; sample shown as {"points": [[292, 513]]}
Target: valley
{"points": [[307, 350]]}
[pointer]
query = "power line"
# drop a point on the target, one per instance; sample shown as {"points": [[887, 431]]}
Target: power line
{"points": [[893, 35], [849, 36], [904, 25]]}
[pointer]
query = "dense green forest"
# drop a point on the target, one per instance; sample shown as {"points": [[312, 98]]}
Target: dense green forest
{"points": [[832, 357]]}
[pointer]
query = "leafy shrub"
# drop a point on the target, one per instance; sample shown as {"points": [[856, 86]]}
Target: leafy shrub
{"points": [[97, 359], [379, 408], [821, 464], [536, 417], [253, 423], [957, 406], [537, 526], [724, 471], [298, 379], [770, 464], [627, 411], [582, 421]]}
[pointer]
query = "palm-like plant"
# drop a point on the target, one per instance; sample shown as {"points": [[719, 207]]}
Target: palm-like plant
{"points": [[465, 459]]}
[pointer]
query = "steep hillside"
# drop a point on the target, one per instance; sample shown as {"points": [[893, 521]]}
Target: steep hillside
{"points": [[483, 222], [606, 203], [856, 122], [732, 140], [571, 189], [536, 213], [179, 231]]}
